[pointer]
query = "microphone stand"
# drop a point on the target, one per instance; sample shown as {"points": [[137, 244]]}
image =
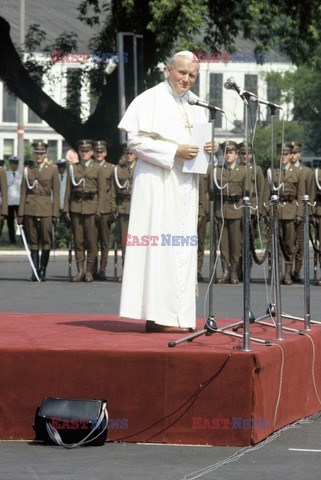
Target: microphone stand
{"points": [[210, 326]]}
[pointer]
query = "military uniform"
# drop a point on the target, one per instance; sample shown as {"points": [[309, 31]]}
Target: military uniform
{"points": [[307, 175], [3, 197], [39, 207], [203, 218], [108, 209], [84, 201], [123, 180], [316, 211], [291, 210], [229, 209], [256, 187]]}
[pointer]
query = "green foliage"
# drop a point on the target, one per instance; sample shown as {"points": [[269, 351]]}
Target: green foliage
{"points": [[294, 131]]}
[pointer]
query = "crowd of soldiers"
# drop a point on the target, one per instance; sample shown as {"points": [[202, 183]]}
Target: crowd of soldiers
{"points": [[89, 194], [85, 191], [290, 180]]}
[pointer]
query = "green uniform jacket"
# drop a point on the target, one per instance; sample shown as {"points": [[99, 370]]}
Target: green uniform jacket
{"points": [[316, 193], [89, 197], [294, 186], [124, 174], [204, 201], [232, 194], [43, 199], [107, 171], [3, 193], [256, 186]]}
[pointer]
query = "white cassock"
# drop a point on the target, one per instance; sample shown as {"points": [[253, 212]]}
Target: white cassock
{"points": [[159, 281]]}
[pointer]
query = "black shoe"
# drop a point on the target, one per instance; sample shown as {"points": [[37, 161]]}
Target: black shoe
{"points": [[101, 276], [296, 277]]}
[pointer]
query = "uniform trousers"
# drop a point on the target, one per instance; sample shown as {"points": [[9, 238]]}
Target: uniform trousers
{"points": [[123, 220], [12, 213], [201, 232], [287, 230], [85, 232], [103, 239], [231, 243], [38, 232]]}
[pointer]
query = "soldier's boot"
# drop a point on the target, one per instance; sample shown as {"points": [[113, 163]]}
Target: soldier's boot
{"points": [[287, 279], [35, 259], [101, 275], [234, 279], [43, 264], [296, 274], [95, 268], [89, 272], [81, 273], [226, 274]]}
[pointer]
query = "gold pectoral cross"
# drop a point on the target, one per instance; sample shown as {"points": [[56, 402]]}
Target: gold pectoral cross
{"points": [[188, 124]]}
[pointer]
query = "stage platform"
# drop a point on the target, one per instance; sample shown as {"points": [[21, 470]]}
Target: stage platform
{"points": [[205, 392]]}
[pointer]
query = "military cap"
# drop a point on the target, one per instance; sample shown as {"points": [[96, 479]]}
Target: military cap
{"points": [[61, 162], [14, 159], [100, 146], [285, 147], [229, 146], [242, 147], [39, 146], [296, 147], [85, 145]]}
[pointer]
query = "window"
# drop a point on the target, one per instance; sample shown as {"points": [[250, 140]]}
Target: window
{"points": [[8, 148], [52, 151], [250, 84], [9, 107], [216, 95], [33, 117], [196, 86], [273, 96]]}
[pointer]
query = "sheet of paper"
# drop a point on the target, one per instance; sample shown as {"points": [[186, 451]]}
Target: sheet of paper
{"points": [[200, 135]]}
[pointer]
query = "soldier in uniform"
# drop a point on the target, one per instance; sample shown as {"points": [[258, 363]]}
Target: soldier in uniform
{"points": [[203, 215], [3, 197], [203, 218], [256, 190], [14, 178], [39, 206], [109, 207], [123, 179], [307, 174], [316, 212], [84, 201], [232, 176], [291, 210]]}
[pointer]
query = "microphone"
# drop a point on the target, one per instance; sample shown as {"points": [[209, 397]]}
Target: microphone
{"points": [[255, 99], [193, 100], [231, 84]]}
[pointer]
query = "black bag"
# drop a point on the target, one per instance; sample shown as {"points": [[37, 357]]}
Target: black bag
{"points": [[71, 422]]}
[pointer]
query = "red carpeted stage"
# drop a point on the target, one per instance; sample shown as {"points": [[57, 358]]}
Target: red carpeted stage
{"points": [[204, 392]]}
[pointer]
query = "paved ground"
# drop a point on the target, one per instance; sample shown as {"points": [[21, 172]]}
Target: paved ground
{"points": [[28, 460]]}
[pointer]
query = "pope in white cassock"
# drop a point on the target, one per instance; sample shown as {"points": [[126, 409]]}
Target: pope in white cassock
{"points": [[160, 271]]}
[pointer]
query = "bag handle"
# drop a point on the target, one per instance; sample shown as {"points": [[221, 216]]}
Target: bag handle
{"points": [[56, 438]]}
